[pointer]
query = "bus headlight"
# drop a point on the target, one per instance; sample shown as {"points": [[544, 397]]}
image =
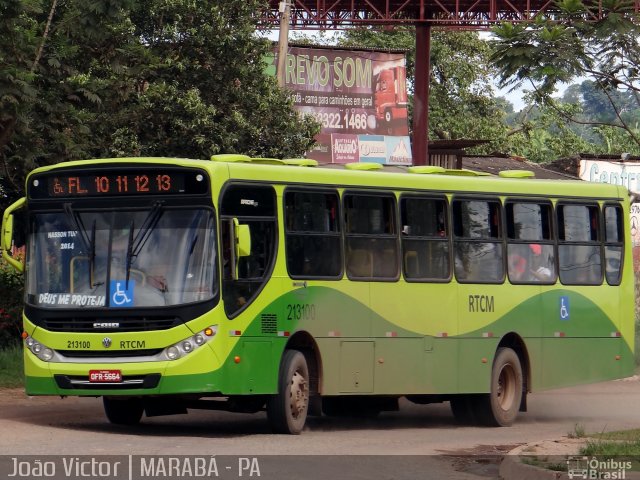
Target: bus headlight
{"points": [[46, 354], [173, 353], [188, 345], [41, 351]]}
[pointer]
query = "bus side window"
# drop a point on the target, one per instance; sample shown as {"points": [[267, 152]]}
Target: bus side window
{"points": [[530, 249], [313, 241], [579, 247], [614, 243], [478, 244], [425, 242], [371, 236]]}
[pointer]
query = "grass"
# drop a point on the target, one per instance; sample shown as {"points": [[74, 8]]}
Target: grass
{"points": [[11, 367], [578, 432], [604, 449], [610, 444], [620, 435]]}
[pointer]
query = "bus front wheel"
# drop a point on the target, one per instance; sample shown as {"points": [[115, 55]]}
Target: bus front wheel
{"points": [[500, 407], [123, 411], [287, 410]]}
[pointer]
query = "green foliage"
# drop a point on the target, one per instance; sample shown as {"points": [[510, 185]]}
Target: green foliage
{"points": [[11, 295], [11, 366], [569, 45], [546, 136], [604, 450], [124, 78]]}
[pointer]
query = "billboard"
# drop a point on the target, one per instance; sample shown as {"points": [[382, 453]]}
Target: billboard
{"points": [[626, 174], [354, 95]]}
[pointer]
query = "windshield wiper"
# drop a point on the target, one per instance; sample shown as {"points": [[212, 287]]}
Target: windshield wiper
{"points": [[135, 245], [89, 243], [129, 259], [92, 254]]}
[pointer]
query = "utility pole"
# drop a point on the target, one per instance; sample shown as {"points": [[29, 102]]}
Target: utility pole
{"points": [[283, 40]]}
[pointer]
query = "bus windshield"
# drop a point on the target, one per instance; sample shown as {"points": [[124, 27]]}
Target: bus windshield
{"points": [[124, 258]]}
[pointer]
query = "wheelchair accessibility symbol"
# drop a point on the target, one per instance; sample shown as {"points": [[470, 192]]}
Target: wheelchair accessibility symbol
{"points": [[121, 296], [564, 308]]}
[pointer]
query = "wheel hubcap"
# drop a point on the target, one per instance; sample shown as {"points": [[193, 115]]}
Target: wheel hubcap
{"points": [[299, 395], [506, 391]]}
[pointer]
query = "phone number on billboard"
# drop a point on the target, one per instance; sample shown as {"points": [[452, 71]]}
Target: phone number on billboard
{"points": [[342, 120]]}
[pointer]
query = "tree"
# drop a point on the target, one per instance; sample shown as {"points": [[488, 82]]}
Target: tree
{"points": [[83, 79], [570, 44]]}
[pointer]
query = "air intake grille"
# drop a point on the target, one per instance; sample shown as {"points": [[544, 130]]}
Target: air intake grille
{"points": [[104, 325], [269, 323], [109, 353]]}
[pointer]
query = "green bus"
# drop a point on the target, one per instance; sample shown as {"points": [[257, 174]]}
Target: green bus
{"points": [[248, 284]]}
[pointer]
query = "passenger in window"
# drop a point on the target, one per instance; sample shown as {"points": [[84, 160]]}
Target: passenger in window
{"points": [[517, 267], [540, 267], [528, 264]]}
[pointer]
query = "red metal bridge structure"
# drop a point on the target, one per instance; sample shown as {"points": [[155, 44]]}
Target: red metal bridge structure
{"points": [[479, 14], [423, 14]]}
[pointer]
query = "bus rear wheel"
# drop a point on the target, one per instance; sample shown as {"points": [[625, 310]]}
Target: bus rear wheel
{"points": [[500, 407], [287, 410], [123, 411]]}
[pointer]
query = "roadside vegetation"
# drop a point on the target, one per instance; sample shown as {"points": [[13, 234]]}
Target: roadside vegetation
{"points": [[623, 443], [11, 370]]}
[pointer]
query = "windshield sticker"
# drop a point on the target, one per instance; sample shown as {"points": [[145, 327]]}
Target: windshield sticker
{"points": [[67, 234], [71, 299], [121, 296]]}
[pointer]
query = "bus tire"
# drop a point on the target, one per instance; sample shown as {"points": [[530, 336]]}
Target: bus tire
{"points": [[123, 411], [500, 407], [287, 410]]}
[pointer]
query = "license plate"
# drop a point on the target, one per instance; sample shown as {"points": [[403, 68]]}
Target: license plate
{"points": [[105, 376]]}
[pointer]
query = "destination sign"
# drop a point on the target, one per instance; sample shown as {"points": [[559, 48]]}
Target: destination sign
{"points": [[110, 183]]}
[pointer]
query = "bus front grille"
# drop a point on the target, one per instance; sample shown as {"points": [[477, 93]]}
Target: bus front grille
{"points": [[109, 353], [109, 325]]}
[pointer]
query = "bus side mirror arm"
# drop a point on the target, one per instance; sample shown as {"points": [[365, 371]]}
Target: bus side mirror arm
{"points": [[7, 234]]}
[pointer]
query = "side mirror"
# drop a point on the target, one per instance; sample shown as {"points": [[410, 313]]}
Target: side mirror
{"points": [[6, 239], [242, 235], [240, 244]]}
